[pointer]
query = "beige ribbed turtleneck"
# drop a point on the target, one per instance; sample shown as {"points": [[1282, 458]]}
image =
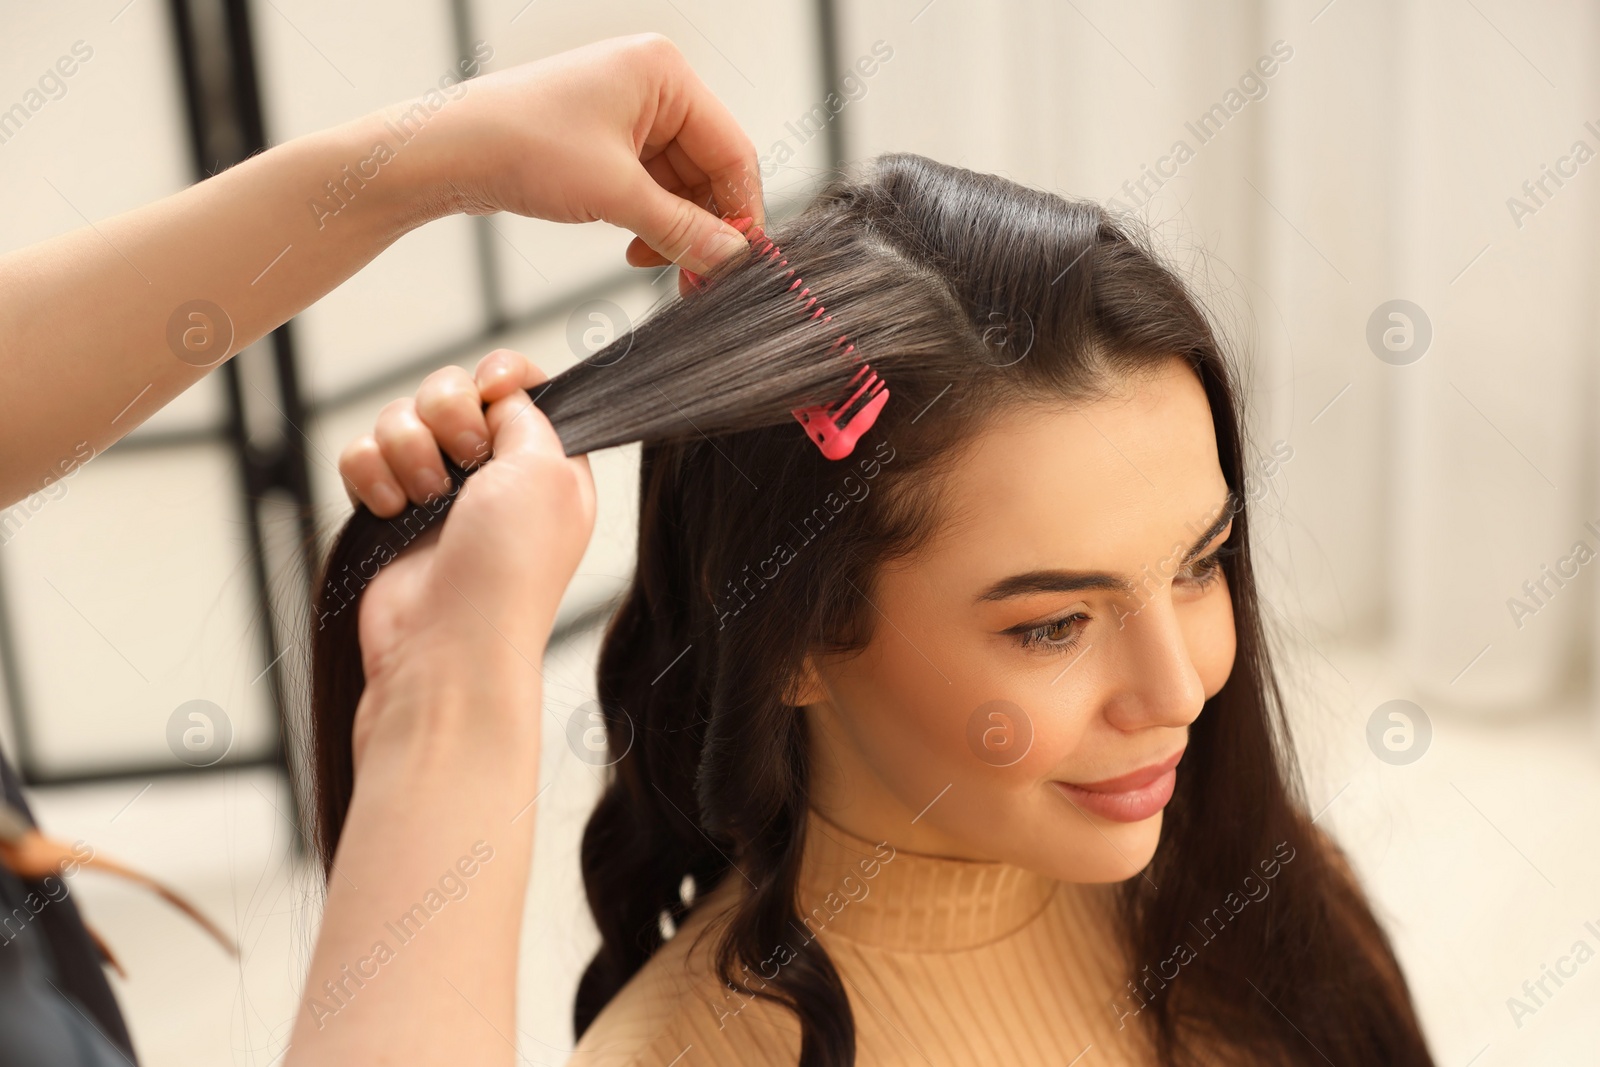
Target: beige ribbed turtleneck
{"points": [[945, 962]]}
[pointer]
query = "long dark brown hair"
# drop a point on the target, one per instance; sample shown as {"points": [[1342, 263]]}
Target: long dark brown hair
{"points": [[969, 294]]}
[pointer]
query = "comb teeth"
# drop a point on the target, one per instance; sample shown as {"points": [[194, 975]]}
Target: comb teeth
{"points": [[834, 428]]}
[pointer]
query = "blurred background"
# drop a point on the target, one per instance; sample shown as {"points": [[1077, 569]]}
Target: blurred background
{"points": [[1390, 205]]}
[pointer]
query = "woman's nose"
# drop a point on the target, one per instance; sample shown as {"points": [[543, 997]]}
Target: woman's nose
{"points": [[1154, 680]]}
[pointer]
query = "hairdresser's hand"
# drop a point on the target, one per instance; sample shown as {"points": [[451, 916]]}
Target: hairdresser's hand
{"points": [[452, 631], [92, 322], [399, 460], [445, 750], [622, 131]]}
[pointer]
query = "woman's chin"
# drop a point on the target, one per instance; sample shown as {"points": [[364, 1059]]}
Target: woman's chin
{"points": [[1104, 851]]}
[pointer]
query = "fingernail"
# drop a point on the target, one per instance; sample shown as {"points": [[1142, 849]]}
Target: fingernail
{"points": [[492, 369], [387, 498], [722, 244], [693, 278], [433, 484], [472, 446]]}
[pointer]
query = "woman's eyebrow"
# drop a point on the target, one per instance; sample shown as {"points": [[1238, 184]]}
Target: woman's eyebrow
{"points": [[1060, 581]]}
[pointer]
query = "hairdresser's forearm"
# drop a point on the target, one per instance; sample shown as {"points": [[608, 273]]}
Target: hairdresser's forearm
{"points": [[85, 317], [445, 810]]}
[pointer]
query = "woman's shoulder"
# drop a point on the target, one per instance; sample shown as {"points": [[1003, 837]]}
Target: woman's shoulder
{"points": [[676, 1011]]}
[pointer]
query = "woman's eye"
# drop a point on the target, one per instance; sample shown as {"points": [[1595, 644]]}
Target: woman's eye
{"points": [[1057, 635], [1065, 633], [1204, 572]]}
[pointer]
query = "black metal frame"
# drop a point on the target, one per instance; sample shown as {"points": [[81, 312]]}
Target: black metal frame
{"points": [[222, 96]]}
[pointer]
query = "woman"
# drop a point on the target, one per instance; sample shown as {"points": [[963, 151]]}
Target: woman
{"points": [[966, 749]]}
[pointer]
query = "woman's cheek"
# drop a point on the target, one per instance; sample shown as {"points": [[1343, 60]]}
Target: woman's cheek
{"points": [[911, 732], [1066, 714], [983, 741], [1015, 739], [998, 734]]}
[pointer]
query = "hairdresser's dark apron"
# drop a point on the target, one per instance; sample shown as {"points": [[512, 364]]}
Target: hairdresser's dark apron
{"points": [[56, 1007]]}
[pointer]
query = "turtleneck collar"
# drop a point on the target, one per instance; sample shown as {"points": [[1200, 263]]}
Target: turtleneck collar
{"points": [[876, 894]]}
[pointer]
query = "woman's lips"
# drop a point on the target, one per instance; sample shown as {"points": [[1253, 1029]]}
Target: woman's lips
{"points": [[1131, 797]]}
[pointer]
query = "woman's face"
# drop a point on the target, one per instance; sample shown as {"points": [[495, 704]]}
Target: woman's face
{"points": [[1062, 629]]}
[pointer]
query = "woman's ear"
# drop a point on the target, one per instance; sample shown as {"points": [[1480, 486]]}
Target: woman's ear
{"points": [[805, 687]]}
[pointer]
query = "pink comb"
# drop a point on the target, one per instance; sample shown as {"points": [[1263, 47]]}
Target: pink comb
{"points": [[834, 428]]}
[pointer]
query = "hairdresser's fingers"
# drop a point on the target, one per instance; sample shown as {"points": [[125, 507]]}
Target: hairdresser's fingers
{"points": [[661, 169], [519, 429], [673, 172], [679, 175], [411, 452], [502, 371], [676, 173], [368, 479], [703, 147], [703, 142], [640, 254], [523, 435], [684, 233], [514, 538], [449, 405]]}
